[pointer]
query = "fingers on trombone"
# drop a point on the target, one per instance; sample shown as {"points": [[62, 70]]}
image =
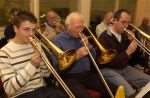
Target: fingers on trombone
{"points": [[85, 39]]}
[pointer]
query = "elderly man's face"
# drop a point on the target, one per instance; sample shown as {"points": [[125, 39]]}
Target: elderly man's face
{"points": [[52, 18], [76, 26]]}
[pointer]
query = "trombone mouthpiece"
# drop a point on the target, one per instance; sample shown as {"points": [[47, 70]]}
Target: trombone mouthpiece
{"points": [[31, 39], [125, 29], [33, 43]]}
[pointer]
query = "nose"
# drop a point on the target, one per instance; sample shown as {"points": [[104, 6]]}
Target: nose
{"points": [[126, 25], [31, 32]]}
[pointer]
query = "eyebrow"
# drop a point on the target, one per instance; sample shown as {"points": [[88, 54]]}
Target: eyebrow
{"points": [[29, 27]]}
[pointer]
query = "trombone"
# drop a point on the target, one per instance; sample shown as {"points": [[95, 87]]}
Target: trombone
{"points": [[50, 67], [120, 91], [140, 31], [139, 43], [106, 56], [65, 58], [96, 66]]}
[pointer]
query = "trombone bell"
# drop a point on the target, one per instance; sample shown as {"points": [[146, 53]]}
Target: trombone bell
{"points": [[65, 58], [106, 57]]}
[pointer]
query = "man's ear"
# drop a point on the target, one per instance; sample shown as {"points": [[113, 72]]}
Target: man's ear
{"points": [[114, 20]]}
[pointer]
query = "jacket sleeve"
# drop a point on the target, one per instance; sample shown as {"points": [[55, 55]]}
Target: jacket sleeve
{"points": [[120, 59]]}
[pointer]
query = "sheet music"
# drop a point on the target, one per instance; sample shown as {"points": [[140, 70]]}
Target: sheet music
{"points": [[143, 91]]}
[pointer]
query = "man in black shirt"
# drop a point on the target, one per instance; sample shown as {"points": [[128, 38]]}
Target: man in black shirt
{"points": [[118, 72]]}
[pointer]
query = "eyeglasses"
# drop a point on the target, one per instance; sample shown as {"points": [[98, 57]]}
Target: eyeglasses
{"points": [[124, 22]]}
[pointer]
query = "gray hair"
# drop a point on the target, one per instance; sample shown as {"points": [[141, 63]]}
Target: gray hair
{"points": [[72, 16]]}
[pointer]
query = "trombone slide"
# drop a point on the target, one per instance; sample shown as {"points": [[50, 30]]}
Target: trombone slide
{"points": [[51, 69]]}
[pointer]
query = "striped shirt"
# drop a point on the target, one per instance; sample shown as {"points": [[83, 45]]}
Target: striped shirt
{"points": [[16, 71]]}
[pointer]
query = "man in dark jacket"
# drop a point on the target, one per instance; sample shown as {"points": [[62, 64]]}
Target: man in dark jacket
{"points": [[118, 72]]}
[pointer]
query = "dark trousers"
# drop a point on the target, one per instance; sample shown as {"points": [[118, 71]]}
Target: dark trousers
{"points": [[79, 83], [44, 92]]}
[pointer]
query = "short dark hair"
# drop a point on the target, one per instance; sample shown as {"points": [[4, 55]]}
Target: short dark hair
{"points": [[24, 16], [118, 13], [14, 11]]}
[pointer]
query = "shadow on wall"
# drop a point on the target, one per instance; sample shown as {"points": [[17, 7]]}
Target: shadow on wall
{"points": [[96, 18]]}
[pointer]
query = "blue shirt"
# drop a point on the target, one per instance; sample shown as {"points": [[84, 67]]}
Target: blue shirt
{"points": [[67, 42]]}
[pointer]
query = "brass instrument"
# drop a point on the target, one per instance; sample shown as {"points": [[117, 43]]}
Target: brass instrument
{"points": [[139, 43], [120, 90], [140, 31], [50, 67], [65, 59], [145, 38], [106, 56]]}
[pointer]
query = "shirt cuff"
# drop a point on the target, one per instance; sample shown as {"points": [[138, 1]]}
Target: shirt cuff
{"points": [[30, 69]]}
